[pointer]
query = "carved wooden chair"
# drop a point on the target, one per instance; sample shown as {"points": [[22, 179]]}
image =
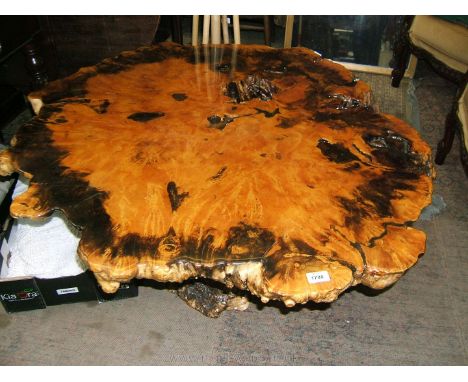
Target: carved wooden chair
{"points": [[218, 23], [443, 44]]}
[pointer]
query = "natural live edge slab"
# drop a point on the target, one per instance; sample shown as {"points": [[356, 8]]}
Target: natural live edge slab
{"points": [[265, 169]]}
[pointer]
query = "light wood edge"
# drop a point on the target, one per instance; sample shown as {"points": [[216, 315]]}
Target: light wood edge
{"points": [[366, 68], [36, 104], [409, 73]]}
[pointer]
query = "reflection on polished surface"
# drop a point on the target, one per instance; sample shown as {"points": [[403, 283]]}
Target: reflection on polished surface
{"points": [[366, 40]]}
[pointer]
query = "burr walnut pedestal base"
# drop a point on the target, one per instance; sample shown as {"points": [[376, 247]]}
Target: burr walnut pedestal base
{"points": [[263, 169]]}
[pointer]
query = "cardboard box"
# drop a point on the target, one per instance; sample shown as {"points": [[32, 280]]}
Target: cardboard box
{"points": [[18, 295], [29, 293]]}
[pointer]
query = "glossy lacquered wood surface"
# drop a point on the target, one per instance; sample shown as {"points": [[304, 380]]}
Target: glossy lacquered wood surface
{"points": [[265, 169]]}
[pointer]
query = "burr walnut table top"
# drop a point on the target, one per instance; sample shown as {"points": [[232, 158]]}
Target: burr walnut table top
{"points": [[265, 169]]}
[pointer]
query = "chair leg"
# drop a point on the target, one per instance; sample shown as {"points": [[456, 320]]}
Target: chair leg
{"points": [[236, 26], [225, 29], [272, 29], [206, 29], [157, 20], [267, 30], [401, 52], [216, 29], [446, 142], [464, 157], [401, 55], [288, 31], [35, 65], [299, 31], [195, 21], [176, 25]]}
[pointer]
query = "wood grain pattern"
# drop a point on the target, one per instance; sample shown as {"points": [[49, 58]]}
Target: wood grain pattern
{"points": [[247, 165]]}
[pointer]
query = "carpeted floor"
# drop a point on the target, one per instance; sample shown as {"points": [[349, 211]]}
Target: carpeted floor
{"points": [[421, 320]]}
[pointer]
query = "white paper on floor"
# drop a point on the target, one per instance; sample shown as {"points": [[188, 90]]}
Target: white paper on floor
{"points": [[433, 209], [44, 249]]}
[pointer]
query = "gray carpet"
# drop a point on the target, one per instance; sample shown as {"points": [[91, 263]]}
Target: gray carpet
{"points": [[421, 320]]}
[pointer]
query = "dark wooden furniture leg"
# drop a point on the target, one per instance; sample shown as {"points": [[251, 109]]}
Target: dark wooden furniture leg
{"points": [[272, 28], [35, 65], [464, 157], [446, 142], [176, 25], [267, 29], [401, 61], [401, 52], [157, 20], [452, 124]]}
